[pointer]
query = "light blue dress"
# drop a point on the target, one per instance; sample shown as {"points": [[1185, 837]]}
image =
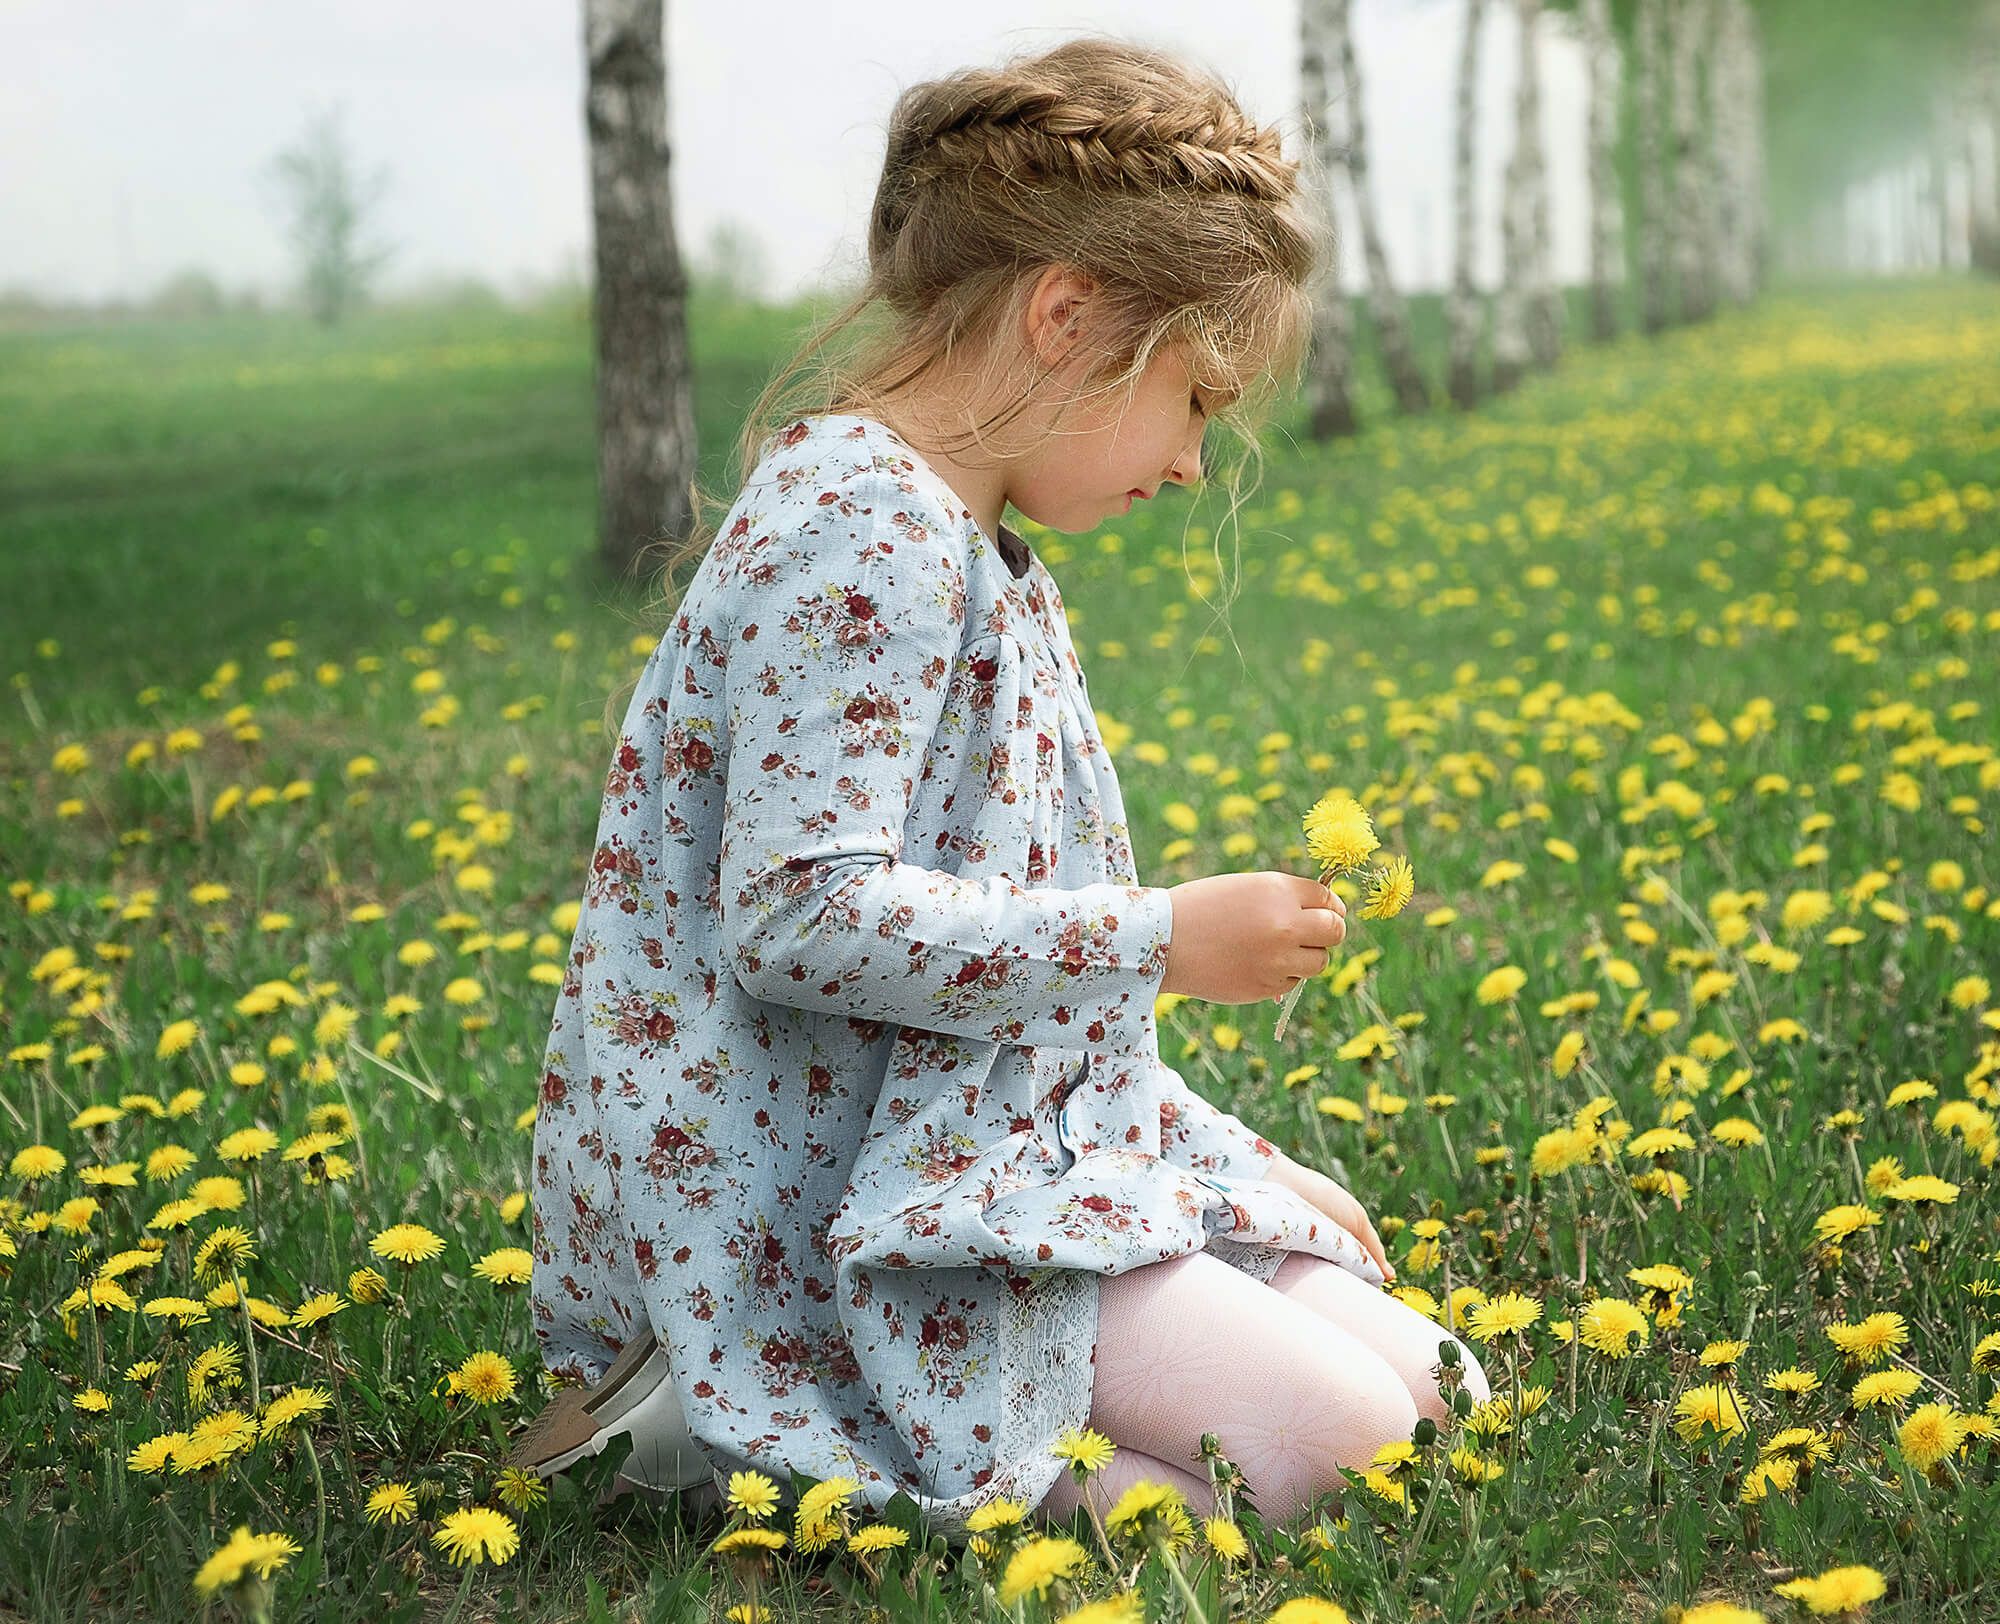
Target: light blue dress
{"points": [[854, 1088]]}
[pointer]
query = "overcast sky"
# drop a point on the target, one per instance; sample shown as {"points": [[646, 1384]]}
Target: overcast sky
{"points": [[137, 132]]}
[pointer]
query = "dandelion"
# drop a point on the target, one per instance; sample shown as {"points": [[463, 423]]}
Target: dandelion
{"points": [[1225, 1538], [508, 1266], [391, 1503], [1309, 1610], [408, 1244], [245, 1553], [1613, 1327], [1932, 1432], [319, 1307], [824, 1497], [1711, 1405], [749, 1539], [1124, 1608], [1038, 1565], [485, 1378], [1085, 1448], [296, 1405], [521, 1489], [226, 1250], [1873, 1339], [1885, 1387], [1339, 837], [876, 1537], [753, 1494], [476, 1534], [34, 1163], [1143, 1506], [1389, 889], [1838, 1590], [1509, 1314]]}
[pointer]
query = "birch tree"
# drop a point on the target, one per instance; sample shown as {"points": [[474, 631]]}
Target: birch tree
{"points": [[645, 405], [1330, 364], [1606, 219], [1649, 76], [1692, 251], [1386, 310], [1462, 307], [1544, 309]]}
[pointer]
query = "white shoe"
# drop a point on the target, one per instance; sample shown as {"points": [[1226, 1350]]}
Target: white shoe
{"points": [[635, 1398]]}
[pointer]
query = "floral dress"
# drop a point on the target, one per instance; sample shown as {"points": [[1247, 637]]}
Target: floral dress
{"points": [[854, 1089]]}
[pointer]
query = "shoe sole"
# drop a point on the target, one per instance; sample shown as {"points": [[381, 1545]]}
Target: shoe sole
{"points": [[579, 1422]]}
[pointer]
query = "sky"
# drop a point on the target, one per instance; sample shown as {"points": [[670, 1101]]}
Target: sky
{"points": [[139, 136]]}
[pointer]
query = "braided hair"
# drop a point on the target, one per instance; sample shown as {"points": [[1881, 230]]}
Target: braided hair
{"points": [[1127, 163]]}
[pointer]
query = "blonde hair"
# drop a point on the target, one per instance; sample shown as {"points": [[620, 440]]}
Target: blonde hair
{"points": [[1121, 161]]}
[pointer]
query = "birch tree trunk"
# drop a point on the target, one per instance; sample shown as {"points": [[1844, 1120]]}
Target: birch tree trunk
{"points": [[1544, 300], [1986, 193], [1606, 220], [1692, 254], [1650, 67], [1385, 304], [645, 408], [1733, 75], [1462, 309], [1330, 364]]}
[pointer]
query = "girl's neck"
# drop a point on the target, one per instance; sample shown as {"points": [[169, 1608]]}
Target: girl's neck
{"points": [[981, 487]]}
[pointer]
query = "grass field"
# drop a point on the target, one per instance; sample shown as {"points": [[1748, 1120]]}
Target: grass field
{"points": [[1673, 1089]]}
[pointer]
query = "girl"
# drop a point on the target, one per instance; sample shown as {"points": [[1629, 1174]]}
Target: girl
{"points": [[856, 1155]]}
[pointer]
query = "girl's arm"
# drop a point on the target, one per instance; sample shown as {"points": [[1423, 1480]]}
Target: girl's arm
{"points": [[846, 636]]}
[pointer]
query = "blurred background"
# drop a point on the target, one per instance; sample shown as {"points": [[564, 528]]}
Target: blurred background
{"points": [[271, 275]]}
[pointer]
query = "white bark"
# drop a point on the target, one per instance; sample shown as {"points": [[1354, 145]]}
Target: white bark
{"points": [[645, 406], [1385, 305], [1606, 218], [1691, 250], [1462, 308], [1649, 72], [1330, 366]]}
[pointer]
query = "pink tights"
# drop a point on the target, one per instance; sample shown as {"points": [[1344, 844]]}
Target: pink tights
{"points": [[1315, 1371]]}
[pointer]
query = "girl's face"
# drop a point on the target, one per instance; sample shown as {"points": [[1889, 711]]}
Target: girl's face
{"points": [[1098, 464]]}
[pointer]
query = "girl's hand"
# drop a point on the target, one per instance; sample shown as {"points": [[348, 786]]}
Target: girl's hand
{"points": [[1242, 938], [1337, 1203]]}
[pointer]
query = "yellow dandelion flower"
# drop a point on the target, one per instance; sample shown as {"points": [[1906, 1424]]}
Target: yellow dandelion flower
{"points": [[404, 1243], [478, 1533], [753, 1494], [1613, 1327], [485, 1378], [392, 1503], [1037, 1565], [1085, 1447], [245, 1553]]}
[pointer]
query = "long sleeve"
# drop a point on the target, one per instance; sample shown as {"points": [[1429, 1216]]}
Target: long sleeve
{"points": [[847, 629]]}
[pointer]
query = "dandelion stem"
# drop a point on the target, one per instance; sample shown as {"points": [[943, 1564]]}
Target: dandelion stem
{"points": [[249, 1337], [1180, 1579], [319, 1497], [458, 1601]]}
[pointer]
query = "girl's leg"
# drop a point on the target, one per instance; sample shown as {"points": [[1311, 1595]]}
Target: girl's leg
{"points": [[1397, 1334], [1194, 1345], [1127, 1467]]}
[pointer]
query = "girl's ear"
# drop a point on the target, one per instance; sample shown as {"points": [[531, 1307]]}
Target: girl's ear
{"points": [[1055, 310]]}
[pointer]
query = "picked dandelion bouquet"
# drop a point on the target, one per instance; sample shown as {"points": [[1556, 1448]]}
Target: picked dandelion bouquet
{"points": [[1340, 838]]}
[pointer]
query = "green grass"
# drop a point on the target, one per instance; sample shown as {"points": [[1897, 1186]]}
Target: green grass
{"points": [[1715, 613]]}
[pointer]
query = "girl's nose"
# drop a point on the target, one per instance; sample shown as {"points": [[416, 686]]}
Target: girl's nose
{"points": [[1187, 466]]}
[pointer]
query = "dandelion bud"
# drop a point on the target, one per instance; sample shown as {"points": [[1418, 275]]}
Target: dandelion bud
{"points": [[1461, 1403], [1425, 1433], [1448, 1352]]}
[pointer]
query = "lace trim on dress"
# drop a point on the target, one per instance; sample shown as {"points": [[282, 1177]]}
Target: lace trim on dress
{"points": [[1048, 1339]]}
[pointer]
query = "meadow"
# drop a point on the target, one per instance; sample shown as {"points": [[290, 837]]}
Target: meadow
{"points": [[1672, 1088]]}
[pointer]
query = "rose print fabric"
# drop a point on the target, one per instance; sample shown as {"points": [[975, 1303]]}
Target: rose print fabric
{"points": [[854, 1089]]}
